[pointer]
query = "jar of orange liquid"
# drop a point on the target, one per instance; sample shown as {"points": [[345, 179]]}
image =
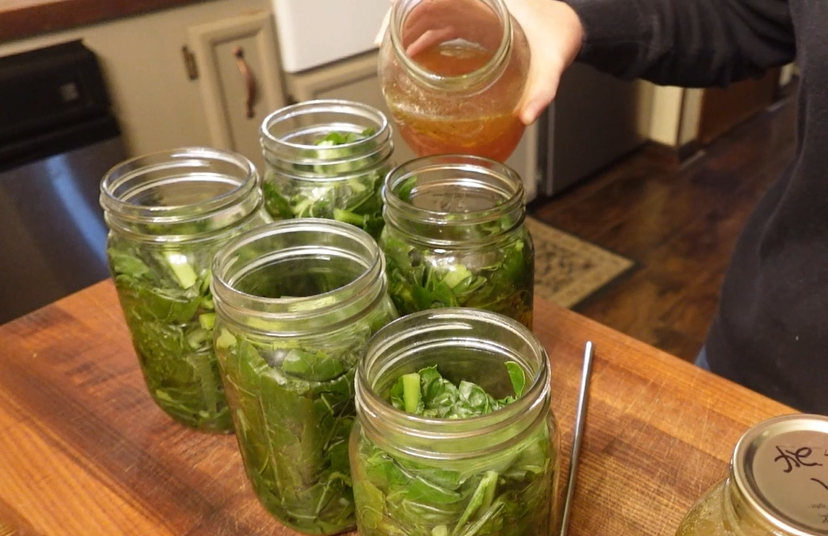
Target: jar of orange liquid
{"points": [[452, 73]]}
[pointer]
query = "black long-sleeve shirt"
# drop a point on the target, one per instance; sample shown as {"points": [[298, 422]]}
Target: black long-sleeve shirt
{"points": [[770, 332]]}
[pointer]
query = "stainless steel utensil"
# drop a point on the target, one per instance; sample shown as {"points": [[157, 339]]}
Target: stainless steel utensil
{"points": [[580, 419]]}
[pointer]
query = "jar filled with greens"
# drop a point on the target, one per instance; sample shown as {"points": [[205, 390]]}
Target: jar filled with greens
{"points": [[297, 301], [454, 435], [326, 159], [168, 213], [454, 237]]}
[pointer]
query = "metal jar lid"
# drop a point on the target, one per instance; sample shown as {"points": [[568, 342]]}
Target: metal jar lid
{"points": [[781, 468]]}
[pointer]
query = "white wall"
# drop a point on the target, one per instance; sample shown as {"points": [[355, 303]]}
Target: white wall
{"points": [[157, 106], [676, 112], [690, 115], [665, 117]]}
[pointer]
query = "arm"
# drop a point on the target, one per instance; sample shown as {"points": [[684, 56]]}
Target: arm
{"points": [[677, 42], [685, 42]]}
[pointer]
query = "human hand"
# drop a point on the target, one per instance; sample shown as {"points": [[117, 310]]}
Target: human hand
{"points": [[554, 33]]}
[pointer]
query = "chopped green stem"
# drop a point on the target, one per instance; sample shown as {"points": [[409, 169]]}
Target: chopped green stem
{"points": [[207, 320], [181, 268], [348, 217], [411, 392]]}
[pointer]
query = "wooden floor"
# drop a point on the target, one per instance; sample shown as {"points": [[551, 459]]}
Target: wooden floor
{"points": [[677, 222]]}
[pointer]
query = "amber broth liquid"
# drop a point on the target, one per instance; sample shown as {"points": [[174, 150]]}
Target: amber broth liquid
{"points": [[495, 134]]}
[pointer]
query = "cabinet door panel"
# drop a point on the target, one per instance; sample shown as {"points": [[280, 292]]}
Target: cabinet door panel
{"points": [[240, 79]]}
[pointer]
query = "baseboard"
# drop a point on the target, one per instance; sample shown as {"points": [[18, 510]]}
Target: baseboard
{"points": [[674, 155], [688, 150]]}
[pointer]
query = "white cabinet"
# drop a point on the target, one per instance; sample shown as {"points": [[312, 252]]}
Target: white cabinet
{"points": [[158, 107], [239, 79], [356, 79], [317, 32]]}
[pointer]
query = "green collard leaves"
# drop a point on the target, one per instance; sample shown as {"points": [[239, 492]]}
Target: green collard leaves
{"points": [[507, 493], [341, 185], [420, 279], [169, 310], [428, 394], [294, 410]]}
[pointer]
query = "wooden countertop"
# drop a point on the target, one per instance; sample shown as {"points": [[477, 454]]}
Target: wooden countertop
{"points": [[25, 18], [84, 450]]}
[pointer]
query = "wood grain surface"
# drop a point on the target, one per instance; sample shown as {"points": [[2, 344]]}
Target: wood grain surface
{"points": [[22, 18], [84, 450]]}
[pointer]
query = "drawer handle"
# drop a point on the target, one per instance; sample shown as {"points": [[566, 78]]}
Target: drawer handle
{"points": [[249, 81]]}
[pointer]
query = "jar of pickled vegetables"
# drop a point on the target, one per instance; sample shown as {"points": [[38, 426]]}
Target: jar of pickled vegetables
{"points": [[452, 73], [454, 433], [455, 237], [326, 159], [297, 301], [168, 212], [777, 484]]}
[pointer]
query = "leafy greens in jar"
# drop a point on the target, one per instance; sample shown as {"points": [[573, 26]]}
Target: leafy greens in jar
{"points": [[506, 493], [297, 302], [455, 237], [168, 213], [169, 310], [332, 169]]}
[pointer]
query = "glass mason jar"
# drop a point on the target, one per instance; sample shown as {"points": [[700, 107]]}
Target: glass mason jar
{"points": [[297, 301], [168, 212], [326, 159], [454, 237], [452, 73], [777, 484], [494, 473]]}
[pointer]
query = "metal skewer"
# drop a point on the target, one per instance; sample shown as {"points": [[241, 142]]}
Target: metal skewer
{"points": [[580, 418]]}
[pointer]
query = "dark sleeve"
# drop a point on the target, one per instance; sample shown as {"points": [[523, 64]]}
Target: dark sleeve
{"points": [[686, 42]]}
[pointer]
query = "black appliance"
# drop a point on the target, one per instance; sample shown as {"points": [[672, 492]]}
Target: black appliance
{"points": [[58, 137]]}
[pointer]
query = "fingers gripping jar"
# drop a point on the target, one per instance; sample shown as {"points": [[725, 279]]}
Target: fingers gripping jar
{"points": [[777, 484], [168, 213], [455, 434], [452, 73], [326, 159], [297, 301], [455, 237]]}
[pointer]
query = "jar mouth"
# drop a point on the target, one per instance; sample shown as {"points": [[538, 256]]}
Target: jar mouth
{"points": [[289, 136], [329, 267], [178, 187], [442, 197], [410, 342], [476, 79]]}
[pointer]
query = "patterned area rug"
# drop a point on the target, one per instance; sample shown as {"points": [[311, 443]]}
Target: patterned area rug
{"points": [[568, 269]]}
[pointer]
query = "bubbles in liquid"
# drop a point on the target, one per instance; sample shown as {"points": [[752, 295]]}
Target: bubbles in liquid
{"points": [[484, 124]]}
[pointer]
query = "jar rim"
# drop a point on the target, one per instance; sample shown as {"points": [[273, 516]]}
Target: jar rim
{"points": [[524, 412], [473, 171], [379, 139], [119, 176], [463, 82], [302, 313]]}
